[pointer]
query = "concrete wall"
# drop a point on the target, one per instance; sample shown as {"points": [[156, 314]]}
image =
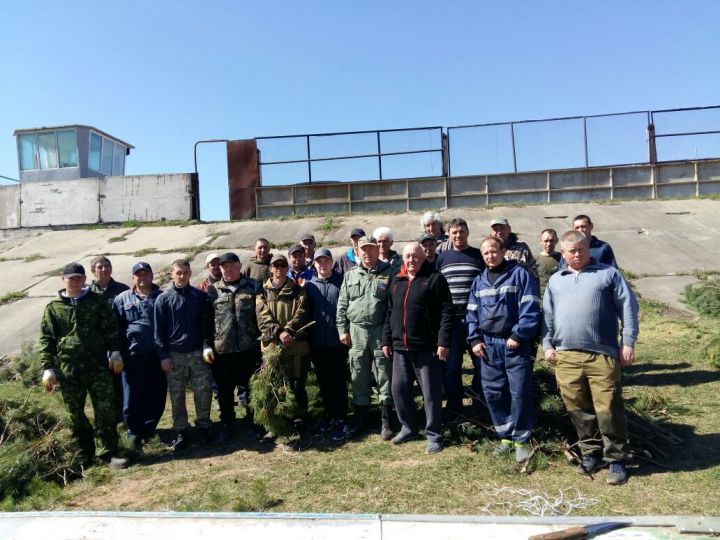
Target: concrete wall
{"points": [[667, 180], [99, 200], [10, 206]]}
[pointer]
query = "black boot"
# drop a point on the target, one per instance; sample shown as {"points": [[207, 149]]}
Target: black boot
{"points": [[386, 431], [359, 422]]}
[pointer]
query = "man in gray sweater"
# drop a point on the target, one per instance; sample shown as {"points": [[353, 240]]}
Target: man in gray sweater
{"points": [[582, 305]]}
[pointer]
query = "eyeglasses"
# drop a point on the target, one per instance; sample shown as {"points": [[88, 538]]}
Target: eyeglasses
{"points": [[280, 265]]}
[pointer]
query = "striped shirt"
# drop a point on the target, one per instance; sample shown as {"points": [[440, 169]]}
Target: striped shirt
{"points": [[460, 269]]}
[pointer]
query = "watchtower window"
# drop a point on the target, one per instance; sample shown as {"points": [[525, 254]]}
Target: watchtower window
{"points": [[51, 149]]}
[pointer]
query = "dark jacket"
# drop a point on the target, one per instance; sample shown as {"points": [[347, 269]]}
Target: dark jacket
{"points": [[236, 327], [136, 316], [420, 312], [110, 292], [345, 262], [323, 295], [259, 270], [183, 321]]}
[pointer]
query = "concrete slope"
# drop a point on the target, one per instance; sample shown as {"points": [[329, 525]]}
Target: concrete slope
{"points": [[662, 243]]}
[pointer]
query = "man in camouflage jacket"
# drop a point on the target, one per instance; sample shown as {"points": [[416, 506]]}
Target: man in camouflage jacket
{"points": [[236, 337], [78, 329]]}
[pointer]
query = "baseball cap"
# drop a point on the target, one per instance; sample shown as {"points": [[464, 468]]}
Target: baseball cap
{"points": [[278, 258], [499, 221], [142, 265], [425, 236], [211, 257], [73, 269], [295, 249], [323, 252], [367, 241], [357, 232], [229, 257], [306, 237]]}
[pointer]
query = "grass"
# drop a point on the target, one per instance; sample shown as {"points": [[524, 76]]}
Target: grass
{"points": [[34, 257], [12, 296], [672, 382]]}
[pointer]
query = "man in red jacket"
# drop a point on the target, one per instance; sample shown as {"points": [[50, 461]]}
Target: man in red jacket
{"points": [[416, 335]]}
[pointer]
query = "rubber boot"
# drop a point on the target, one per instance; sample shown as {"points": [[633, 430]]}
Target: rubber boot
{"points": [[386, 432], [359, 422]]}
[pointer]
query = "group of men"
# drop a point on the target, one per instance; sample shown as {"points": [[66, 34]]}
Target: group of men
{"points": [[388, 319]]}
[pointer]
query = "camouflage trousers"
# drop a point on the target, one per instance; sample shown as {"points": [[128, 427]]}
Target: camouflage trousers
{"points": [[590, 387], [75, 387], [190, 368]]}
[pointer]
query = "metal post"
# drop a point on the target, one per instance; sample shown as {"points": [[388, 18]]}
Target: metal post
{"points": [[512, 135], [379, 156], [307, 139], [652, 148], [445, 148], [585, 137]]}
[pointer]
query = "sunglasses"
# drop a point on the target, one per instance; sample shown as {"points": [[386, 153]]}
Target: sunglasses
{"points": [[280, 265]]}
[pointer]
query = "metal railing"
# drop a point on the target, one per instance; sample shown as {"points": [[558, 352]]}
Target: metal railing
{"points": [[379, 154]]}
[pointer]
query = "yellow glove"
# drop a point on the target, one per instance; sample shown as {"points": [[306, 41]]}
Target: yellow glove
{"points": [[208, 355], [49, 380], [115, 362]]}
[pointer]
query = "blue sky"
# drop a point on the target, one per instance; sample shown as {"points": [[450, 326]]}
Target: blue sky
{"points": [[164, 74]]}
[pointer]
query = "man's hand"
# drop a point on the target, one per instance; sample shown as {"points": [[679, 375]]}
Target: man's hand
{"points": [[115, 362], [512, 344], [167, 365], [387, 352], [627, 355], [49, 380], [286, 339], [208, 355], [550, 356], [345, 340], [442, 353], [479, 350]]}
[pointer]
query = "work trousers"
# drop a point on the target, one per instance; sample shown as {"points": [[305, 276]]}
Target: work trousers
{"points": [[231, 370], [75, 387], [365, 352], [506, 379], [423, 367], [190, 368], [590, 386], [145, 392], [330, 364]]}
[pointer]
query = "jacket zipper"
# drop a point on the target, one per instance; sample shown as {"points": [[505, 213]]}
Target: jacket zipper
{"points": [[407, 293]]}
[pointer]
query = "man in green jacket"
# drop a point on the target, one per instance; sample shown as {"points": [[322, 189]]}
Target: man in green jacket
{"points": [[77, 330], [360, 316]]}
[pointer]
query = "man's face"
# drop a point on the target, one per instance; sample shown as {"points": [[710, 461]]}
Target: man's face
{"points": [[384, 243], [413, 257], [297, 261], [181, 276], [323, 265], [102, 272], [73, 285], [583, 226], [577, 255], [261, 250], [459, 236], [279, 270], [354, 241], [429, 247], [492, 254], [548, 241], [501, 232], [309, 246], [230, 271], [369, 254], [214, 268], [433, 228], [142, 279]]}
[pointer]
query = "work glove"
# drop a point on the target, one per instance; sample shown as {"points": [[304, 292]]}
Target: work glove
{"points": [[49, 380], [115, 362], [208, 355]]}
